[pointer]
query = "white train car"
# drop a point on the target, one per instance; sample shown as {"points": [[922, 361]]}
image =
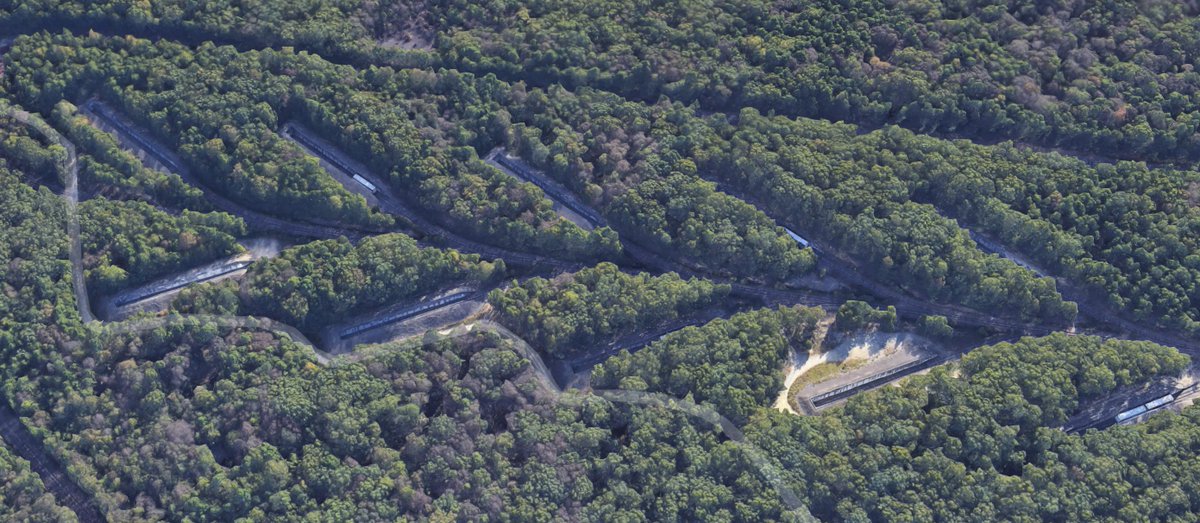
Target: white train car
{"points": [[798, 239], [366, 183], [1149, 406], [1131, 413], [1154, 404]]}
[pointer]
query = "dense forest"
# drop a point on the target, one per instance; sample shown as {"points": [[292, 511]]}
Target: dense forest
{"points": [[1105, 77], [857, 207], [461, 428], [107, 169], [23, 494], [898, 202], [981, 446], [571, 313], [1123, 232], [337, 27], [226, 128], [225, 135], [29, 152], [327, 281], [688, 220], [731, 364], [130, 242], [450, 181], [704, 133]]}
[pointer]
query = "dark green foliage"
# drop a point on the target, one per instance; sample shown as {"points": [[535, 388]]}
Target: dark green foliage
{"points": [[940, 448], [817, 178], [735, 364], [451, 183], [1122, 232], [36, 281], [106, 168], [460, 427], [936, 327], [686, 217], [860, 194], [854, 315], [223, 297], [224, 128], [1110, 77], [194, 422], [24, 496], [340, 27], [616, 155], [129, 242], [28, 151], [327, 281], [1057, 372], [574, 312]]}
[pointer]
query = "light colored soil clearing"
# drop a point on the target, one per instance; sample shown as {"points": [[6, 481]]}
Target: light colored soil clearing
{"points": [[798, 359], [851, 353], [409, 40], [826, 370]]}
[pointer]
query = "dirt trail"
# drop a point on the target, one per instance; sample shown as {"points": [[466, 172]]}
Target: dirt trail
{"points": [[53, 474], [69, 173]]}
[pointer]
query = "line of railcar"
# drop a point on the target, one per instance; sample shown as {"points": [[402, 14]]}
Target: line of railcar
{"points": [[182, 281], [107, 114], [365, 183], [332, 159], [797, 238], [524, 172], [403, 314], [1144, 408]]}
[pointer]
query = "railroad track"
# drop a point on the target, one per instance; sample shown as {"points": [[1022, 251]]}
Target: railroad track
{"points": [[568, 199], [52, 473], [393, 204], [906, 306], [254, 219], [635, 342]]}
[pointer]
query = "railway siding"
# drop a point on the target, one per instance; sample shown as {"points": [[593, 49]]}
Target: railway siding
{"points": [[392, 203], [565, 202], [405, 313], [204, 273], [53, 474], [135, 140], [350, 176]]}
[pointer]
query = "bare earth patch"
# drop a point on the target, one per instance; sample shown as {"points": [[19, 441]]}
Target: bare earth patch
{"points": [[409, 41], [854, 357]]}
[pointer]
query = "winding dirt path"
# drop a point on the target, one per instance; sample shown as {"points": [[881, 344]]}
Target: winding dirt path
{"points": [[52, 473], [69, 176]]}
